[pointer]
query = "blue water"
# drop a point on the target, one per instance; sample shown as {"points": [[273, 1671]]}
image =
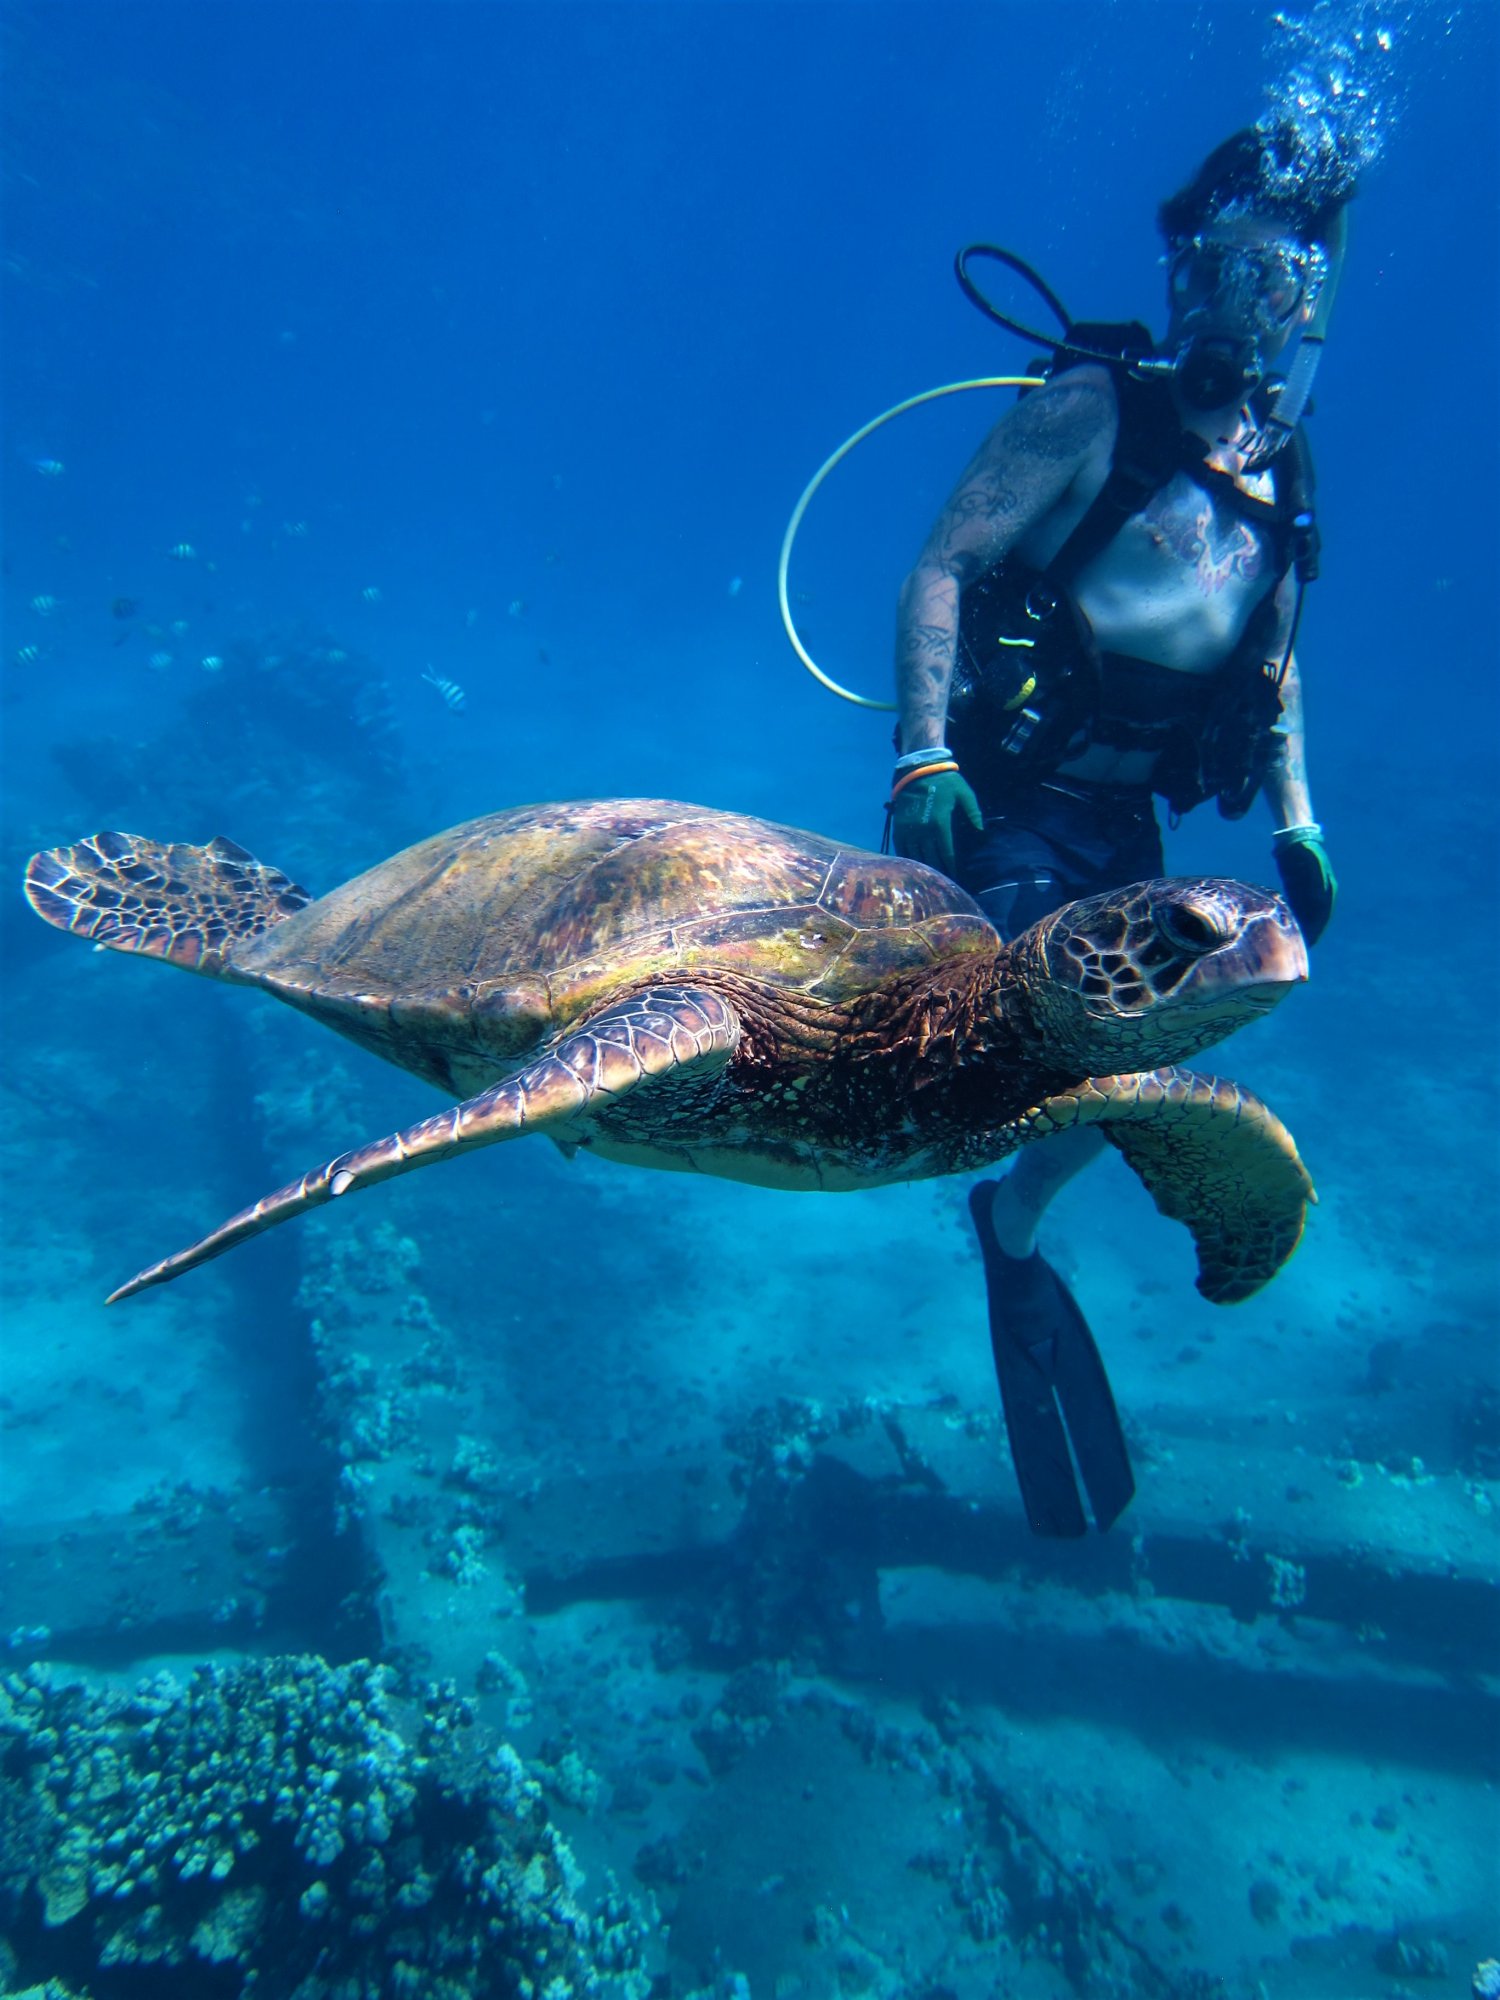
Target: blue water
{"points": [[350, 343]]}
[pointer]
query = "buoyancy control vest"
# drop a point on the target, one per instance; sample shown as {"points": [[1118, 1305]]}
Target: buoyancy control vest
{"points": [[1031, 689]]}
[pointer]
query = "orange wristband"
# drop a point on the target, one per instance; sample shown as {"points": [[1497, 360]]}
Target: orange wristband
{"points": [[922, 771]]}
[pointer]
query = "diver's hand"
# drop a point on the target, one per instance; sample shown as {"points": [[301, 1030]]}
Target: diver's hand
{"points": [[922, 817], [1307, 878]]}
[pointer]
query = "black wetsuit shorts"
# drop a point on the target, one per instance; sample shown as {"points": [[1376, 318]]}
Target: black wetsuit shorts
{"points": [[1053, 842]]}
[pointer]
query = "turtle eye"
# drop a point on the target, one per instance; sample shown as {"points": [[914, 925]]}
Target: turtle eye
{"points": [[1189, 929]]}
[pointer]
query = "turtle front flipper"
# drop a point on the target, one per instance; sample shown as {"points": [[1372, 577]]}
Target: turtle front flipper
{"points": [[664, 1036], [1211, 1155], [188, 905]]}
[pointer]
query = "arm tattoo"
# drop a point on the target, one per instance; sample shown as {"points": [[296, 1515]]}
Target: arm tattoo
{"points": [[1017, 476], [929, 644]]}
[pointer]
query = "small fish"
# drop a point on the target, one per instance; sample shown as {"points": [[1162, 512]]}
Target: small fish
{"points": [[159, 661], [183, 552], [371, 593], [471, 619], [27, 656], [44, 606], [178, 627], [517, 607], [211, 662], [49, 468], [736, 585], [125, 607], [294, 527], [451, 692]]}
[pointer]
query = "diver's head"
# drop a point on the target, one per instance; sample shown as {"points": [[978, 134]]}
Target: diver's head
{"points": [[1250, 249], [1239, 290]]}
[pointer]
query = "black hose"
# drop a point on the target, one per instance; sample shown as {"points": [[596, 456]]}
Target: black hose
{"points": [[1023, 269], [1044, 291]]}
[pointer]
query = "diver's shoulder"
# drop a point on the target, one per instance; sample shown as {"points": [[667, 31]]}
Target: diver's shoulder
{"points": [[1086, 381], [1072, 411]]}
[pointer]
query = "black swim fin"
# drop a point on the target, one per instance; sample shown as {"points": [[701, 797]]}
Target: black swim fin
{"points": [[1046, 1359]]}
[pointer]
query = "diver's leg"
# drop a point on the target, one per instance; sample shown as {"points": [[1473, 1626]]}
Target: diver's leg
{"points": [[1053, 1386], [1043, 1348], [1077, 847], [1040, 1172], [1054, 1389]]}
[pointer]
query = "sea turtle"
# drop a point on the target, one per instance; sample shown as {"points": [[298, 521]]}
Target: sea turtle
{"points": [[678, 987]]}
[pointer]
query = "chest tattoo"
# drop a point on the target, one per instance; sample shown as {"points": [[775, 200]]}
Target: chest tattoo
{"points": [[1217, 547]]}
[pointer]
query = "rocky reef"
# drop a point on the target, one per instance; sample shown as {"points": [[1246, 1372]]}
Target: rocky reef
{"points": [[287, 1828], [283, 716]]}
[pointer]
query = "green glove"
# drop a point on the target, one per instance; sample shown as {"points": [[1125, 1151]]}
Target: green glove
{"points": [[1307, 878], [922, 817]]}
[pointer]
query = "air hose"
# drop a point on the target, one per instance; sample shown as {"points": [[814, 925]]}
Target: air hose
{"points": [[898, 409]]}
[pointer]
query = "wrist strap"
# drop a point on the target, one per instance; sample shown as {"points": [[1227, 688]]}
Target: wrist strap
{"points": [[934, 754], [1307, 830], [922, 771]]}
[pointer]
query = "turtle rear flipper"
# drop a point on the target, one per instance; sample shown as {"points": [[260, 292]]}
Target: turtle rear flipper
{"points": [[188, 905], [673, 1036], [1212, 1156]]}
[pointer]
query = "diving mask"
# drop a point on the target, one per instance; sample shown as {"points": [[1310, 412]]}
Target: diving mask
{"points": [[1236, 299], [1259, 286]]}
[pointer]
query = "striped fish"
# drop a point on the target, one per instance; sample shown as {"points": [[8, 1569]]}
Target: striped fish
{"points": [[451, 692]]}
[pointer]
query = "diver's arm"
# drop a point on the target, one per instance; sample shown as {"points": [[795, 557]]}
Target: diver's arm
{"points": [[1307, 878], [1020, 473], [1285, 780], [1286, 786]]}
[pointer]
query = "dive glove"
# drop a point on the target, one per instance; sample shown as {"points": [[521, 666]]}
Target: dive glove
{"points": [[922, 810], [1307, 878]]}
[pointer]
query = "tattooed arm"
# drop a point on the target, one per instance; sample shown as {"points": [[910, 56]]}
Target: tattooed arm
{"points": [[1286, 786], [1307, 878], [1020, 473], [1285, 782]]}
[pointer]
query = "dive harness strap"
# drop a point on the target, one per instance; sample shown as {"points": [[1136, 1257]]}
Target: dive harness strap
{"points": [[1062, 697], [1150, 445]]}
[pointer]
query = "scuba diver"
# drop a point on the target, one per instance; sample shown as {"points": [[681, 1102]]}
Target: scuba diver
{"points": [[1106, 610]]}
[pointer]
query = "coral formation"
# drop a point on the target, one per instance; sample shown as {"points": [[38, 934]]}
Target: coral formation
{"points": [[274, 1821]]}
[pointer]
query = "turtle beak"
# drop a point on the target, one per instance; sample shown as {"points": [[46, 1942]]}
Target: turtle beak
{"points": [[1276, 951], [1260, 966]]}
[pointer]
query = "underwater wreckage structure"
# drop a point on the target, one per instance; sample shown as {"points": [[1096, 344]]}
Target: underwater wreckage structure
{"points": [[790, 1670]]}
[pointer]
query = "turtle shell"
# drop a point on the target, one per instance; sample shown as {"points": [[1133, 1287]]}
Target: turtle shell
{"points": [[458, 956]]}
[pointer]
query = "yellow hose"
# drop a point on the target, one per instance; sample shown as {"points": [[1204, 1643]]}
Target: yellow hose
{"points": [[927, 396]]}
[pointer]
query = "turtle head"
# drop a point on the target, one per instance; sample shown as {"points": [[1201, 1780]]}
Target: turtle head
{"points": [[1151, 974]]}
